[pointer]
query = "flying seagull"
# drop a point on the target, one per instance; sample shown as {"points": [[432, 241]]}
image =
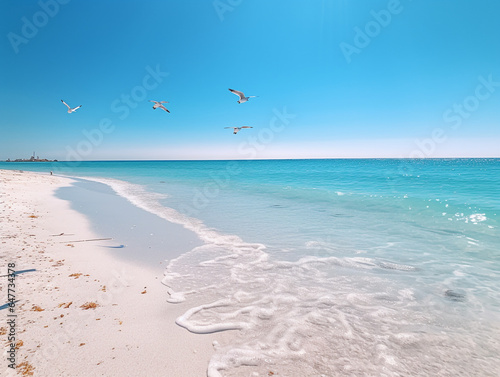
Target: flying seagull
{"points": [[241, 95], [158, 104], [70, 110], [236, 129]]}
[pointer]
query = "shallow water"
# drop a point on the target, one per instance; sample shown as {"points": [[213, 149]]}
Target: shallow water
{"points": [[331, 267]]}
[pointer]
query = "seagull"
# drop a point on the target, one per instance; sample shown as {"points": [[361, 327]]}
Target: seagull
{"points": [[158, 104], [70, 110], [241, 95], [236, 129]]}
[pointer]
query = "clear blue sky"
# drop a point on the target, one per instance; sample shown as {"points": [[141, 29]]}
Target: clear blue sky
{"points": [[361, 78]]}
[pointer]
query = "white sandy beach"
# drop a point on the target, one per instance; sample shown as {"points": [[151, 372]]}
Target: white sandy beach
{"points": [[130, 332]]}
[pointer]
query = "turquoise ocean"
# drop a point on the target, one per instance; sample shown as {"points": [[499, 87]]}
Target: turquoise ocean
{"points": [[329, 267]]}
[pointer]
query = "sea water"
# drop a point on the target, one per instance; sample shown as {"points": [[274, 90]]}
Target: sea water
{"points": [[329, 267]]}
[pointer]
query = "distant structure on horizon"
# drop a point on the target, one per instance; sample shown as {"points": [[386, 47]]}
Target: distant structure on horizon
{"points": [[31, 159]]}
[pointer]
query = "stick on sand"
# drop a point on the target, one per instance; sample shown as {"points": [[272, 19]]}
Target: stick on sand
{"points": [[93, 239]]}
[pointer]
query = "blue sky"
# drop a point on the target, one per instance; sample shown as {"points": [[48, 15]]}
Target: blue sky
{"points": [[333, 78]]}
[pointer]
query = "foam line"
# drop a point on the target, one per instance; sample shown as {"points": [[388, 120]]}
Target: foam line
{"points": [[183, 320]]}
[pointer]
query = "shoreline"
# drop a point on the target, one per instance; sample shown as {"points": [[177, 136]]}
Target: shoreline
{"points": [[143, 237], [131, 330]]}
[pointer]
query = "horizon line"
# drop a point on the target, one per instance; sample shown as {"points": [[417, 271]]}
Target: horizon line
{"points": [[266, 159]]}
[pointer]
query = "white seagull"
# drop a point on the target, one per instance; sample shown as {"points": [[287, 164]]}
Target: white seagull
{"points": [[70, 110], [241, 95], [236, 129], [158, 104]]}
